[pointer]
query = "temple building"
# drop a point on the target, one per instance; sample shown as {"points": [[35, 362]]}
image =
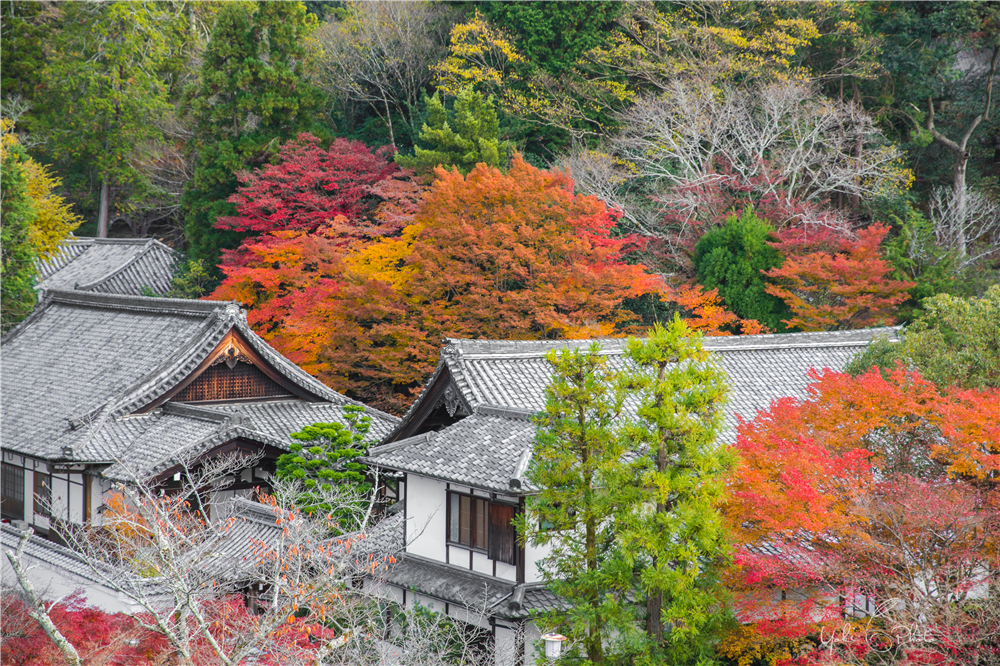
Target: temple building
{"points": [[462, 449], [101, 388]]}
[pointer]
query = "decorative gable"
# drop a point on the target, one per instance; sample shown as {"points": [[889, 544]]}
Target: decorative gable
{"points": [[232, 377], [234, 371]]}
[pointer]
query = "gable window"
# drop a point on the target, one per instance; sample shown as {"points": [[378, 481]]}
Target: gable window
{"points": [[43, 493], [477, 523], [12, 492]]}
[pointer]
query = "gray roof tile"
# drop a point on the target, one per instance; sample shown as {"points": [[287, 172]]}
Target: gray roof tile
{"points": [[486, 448], [77, 369], [481, 450], [109, 265]]}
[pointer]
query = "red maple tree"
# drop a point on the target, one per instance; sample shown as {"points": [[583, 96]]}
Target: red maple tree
{"points": [[846, 289], [310, 188], [860, 500]]}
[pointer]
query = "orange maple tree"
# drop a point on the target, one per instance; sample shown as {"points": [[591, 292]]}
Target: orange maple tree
{"points": [[846, 289], [517, 255], [489, 255], [705, 312]]}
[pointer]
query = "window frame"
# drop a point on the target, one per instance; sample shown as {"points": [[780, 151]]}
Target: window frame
{"points": [[473, 528], [9, 475]]}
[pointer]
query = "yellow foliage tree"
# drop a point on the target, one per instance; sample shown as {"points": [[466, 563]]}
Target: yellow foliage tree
{"points": [[54, 218]]}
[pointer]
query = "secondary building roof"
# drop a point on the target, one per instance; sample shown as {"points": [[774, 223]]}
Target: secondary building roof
{"points": [[109, 265], [472, 423], [103, 379]]}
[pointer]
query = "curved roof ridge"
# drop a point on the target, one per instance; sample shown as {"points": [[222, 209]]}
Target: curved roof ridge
{"points": [[472, 349], [505, 412], [150, 245], [181, 306]]}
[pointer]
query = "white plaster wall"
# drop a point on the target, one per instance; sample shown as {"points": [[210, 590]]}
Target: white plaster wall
{"points": [[60, 495], [425, 517], [507, 571], [35, 519], [532, 555], [481, 563], [533, 636], [508, 646], [76, 498]]}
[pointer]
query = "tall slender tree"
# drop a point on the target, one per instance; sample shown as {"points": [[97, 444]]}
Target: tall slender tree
{"points": [[578, 459], [104, 87], [250, 97], [671, 527], [17, 275]]}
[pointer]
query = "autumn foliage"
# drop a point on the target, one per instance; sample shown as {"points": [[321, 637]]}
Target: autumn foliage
{"points": [[705, 312], [870, 489], [844, 289], [515, 255], [310, 188]]}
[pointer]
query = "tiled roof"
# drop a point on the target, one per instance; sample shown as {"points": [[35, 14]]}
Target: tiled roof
{"points": [[40, 550], [109, 265], [471, 589], [482, 450], [282, 417], [51, 553], [449, 583], [487, 449], [77, 369], [537, 600]]}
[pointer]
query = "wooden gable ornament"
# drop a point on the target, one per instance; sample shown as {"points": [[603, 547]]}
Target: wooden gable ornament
{"points": [[233, 372]]}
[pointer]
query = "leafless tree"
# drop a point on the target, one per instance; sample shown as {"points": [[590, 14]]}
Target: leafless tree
{"points": [[960, 150], [771, 136], [675, 152], [380, 55], [184, 560], [968, 225]]}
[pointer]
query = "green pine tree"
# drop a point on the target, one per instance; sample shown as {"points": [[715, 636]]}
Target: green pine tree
{"points": [[250, 97], [328, 458], [730, 258], [462, 137], [17, 277], [671, 528], [578, 459], [104, 88]]}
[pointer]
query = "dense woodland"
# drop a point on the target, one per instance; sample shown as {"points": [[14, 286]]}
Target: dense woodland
{"points": [[783, 166], [368, 178]]}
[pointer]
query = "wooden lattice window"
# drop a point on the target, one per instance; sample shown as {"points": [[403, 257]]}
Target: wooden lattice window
{"points": [[221, 382], [12, 492]]}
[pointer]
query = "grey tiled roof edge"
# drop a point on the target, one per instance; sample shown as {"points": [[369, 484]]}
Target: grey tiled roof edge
{"points": [[398, 444], [226, 433], [505, 412], [228, 314], [467, 348], [141, 303], [151, 245], [66, 559]]}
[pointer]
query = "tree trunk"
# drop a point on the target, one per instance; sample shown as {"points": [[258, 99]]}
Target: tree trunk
{"points": [[958, 233], [961, 152], [595, 648], [102, 214]]}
